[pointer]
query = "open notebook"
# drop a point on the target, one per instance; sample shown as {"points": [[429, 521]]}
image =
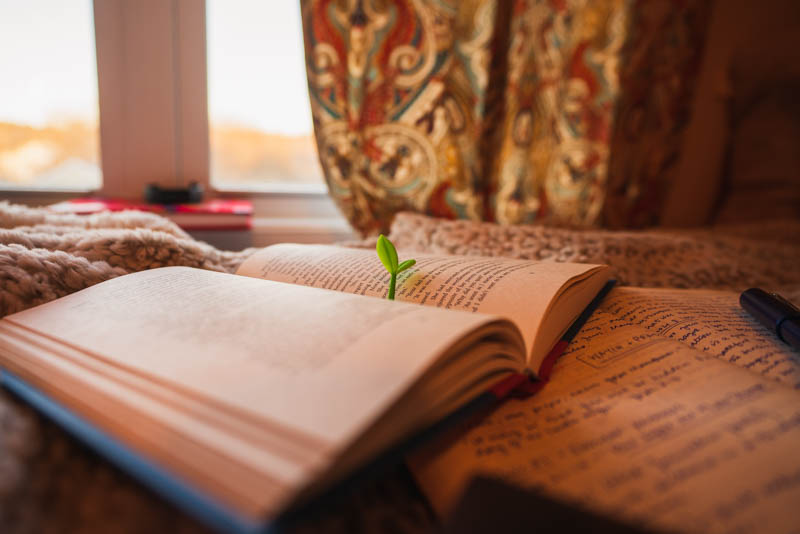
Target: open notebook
{"points": [[240, 396], [671, 408]]}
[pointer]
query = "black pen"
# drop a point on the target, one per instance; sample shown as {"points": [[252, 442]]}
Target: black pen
{"points": [[774, 312]]}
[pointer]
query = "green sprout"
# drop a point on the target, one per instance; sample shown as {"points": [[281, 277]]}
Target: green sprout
{"points": [[388, 256]]}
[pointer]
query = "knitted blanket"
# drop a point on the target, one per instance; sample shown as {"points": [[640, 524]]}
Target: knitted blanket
{"points": [[46, 255], [735, 257], [50, 483]]}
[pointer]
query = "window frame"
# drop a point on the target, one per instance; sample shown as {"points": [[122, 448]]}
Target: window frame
{"points": [[154, 124]]}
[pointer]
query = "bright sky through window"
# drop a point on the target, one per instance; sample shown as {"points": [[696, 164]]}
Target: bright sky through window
{"points": [[48, 97], [48, 62], [257, 74], [259, 112]]}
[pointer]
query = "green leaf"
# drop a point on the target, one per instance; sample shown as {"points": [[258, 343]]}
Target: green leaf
{"points": [[387, 254], [405, 265]]}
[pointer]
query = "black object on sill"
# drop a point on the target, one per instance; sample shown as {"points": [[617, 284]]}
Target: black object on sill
{"points": [[155, 194]]}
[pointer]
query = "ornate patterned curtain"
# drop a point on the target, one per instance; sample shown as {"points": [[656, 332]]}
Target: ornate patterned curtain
{"points": [[553, 111]]}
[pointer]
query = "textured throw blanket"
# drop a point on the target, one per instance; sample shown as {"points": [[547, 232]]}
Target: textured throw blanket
{"points": [[50, 483], [45, 255], [733, 257]]}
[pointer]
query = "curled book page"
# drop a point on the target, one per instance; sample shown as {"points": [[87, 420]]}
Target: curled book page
{"points": [[541, 298]]}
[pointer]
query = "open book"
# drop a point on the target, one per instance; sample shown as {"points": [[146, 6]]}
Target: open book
{"points": [[238, 396]]}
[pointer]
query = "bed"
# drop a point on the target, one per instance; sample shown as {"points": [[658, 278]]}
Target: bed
{"points": [[50, 483]]}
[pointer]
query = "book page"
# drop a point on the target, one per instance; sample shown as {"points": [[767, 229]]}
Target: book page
{"points": [[517, 289], [711, 321], [317, 366], [263, 348], [642, 427]]}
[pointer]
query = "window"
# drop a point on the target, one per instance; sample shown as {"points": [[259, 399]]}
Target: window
{"points": [[259, 116], [156, 94], [48, 99]]}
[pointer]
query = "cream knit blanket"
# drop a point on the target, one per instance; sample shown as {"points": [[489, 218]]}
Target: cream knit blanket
{"points": [[45, 255]]}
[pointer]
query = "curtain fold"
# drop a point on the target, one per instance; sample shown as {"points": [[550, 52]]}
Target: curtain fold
{"points": [[564, 112]]}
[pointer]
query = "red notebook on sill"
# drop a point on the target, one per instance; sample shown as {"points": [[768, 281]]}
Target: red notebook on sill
{"points": [[216, 214]]}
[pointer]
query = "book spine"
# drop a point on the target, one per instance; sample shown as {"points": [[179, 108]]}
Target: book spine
{"points": [[525, 386], [509, 385]]}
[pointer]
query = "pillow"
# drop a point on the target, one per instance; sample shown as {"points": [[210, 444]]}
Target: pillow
{"points": [[762, 173]]}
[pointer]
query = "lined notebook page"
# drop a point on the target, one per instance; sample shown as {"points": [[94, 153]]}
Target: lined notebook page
{"points": [[646, 427], [711, 321]]}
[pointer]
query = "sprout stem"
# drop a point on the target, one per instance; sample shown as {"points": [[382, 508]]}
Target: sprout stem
{"points": [[392, 284]]}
